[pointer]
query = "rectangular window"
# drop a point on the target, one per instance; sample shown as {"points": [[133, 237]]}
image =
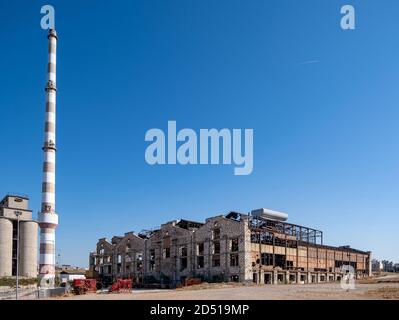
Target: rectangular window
{"points": [[216, 248], [216, 261], [183, 263], [267, 259], [139, 256], [216, 234], [183, 251], [166, 253], [234, 260], [234, 245], [200, 249], [152, 259], [200, 262]]}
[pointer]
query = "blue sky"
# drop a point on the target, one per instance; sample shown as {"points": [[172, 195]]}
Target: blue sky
{"points": [[325, 133]]}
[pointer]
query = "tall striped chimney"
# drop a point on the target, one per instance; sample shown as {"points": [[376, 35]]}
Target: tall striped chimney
{"points": [[48, 218]]}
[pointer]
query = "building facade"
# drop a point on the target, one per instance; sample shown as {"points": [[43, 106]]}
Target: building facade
{"points": [[236, 247], [14, 211]]}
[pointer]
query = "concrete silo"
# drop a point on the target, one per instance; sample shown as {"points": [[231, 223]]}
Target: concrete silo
{"points": [[28, 248], [5, 247], [14, 211]]}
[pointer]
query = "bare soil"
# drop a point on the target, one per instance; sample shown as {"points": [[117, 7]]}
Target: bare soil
{"points": [[384, 287]]}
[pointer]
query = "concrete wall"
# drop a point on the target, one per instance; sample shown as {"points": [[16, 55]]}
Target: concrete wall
{"points": [[128, 256], [10, 204], [172, 254]]}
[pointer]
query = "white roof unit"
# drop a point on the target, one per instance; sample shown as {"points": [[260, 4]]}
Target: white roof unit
{"points": [[269, 214]]}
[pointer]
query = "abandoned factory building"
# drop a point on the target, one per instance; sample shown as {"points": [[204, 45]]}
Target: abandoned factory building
{"points": [[260, 247]]}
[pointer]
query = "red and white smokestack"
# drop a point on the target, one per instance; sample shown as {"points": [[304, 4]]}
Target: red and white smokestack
{"points": [[48, 218]]}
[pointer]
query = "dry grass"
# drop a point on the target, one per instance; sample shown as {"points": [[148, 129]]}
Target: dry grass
{"points": [[11, 282]]}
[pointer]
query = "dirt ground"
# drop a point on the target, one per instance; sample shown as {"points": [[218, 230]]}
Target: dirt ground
{"points": [[385, 287]]}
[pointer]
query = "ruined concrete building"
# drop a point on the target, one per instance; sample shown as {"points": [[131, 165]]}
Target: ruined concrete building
{"points": [[260, 247]]}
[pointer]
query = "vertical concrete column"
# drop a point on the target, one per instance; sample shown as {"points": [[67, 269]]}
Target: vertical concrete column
{"points": [[298, 277], [369, 267], [275, 277]]}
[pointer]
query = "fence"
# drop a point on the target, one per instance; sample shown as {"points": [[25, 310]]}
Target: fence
{"points": [[31, 293]]}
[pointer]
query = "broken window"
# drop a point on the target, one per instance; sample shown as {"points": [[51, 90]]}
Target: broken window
{"points": [[119, 258], [216, 233], [139, 266], [234, 260], [234, 245], [183, 251], [216, 261], [267, 259], [183, 263], [216, 248], [166, 253], [200, 249], [200, 262], [139, 256], [152, 259], [280, 260]]}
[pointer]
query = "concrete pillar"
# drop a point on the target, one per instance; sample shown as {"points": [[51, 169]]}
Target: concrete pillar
{"points": [[275, 278], [370, 272], [298, 277], [261, 277], [287, 277], [309, 278]]}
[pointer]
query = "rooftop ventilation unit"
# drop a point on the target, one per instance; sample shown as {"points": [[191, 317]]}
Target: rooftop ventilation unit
{"points": [[269, 214]]}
